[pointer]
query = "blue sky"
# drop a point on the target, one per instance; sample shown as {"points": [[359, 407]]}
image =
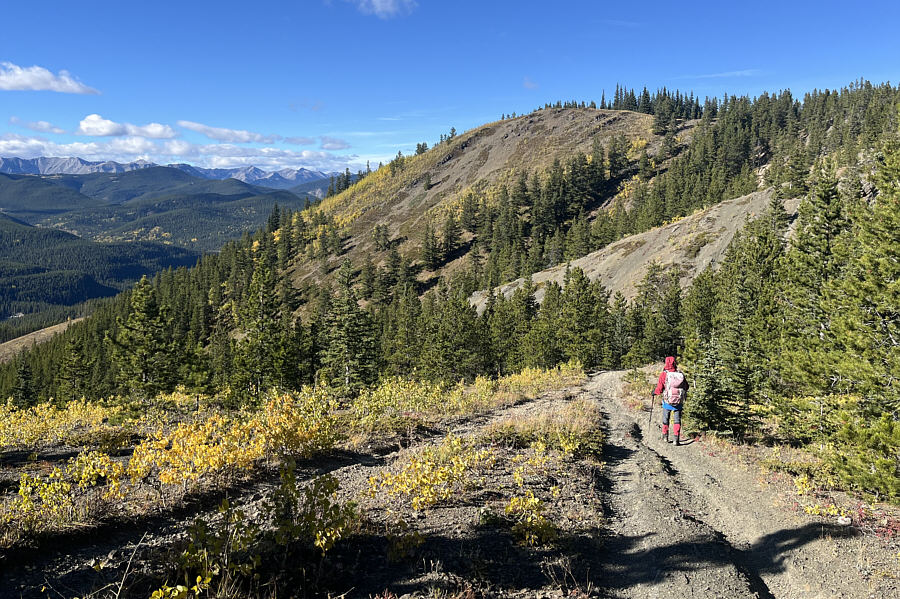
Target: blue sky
{"points": [[330, 83]]}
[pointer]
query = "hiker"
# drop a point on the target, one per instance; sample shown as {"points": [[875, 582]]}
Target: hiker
{"points": [[674, 386]]}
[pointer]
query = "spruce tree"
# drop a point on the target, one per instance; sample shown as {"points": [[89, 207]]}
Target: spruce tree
{"points": [[865, 302], [143, 352], [74, 373], [810, 263], [258, 321], [430, 249], [23, 393], [450, 237], [349, 360], [709, 405]]}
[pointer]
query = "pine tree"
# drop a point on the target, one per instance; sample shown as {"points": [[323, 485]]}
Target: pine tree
{"points": [[430, 250], [810, 263], [709, 406], [144, 354], [865, 302], [367, 279], [697, 312], [450, 237], [74, 374], [401, 337], [258, 321], [502, 324], [453, 343], [23, 393], [349, 360], [583, 319]]}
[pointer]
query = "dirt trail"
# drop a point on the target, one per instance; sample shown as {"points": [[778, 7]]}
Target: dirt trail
{"points": [[685, 522], [672, 522]]}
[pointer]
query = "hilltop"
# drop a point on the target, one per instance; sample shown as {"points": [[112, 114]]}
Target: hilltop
{"points": [[405, 195]]}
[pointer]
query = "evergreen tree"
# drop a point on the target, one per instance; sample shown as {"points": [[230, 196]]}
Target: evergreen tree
{"points": [[349, 360], [709, 406], [450, 237], [865, 302], [23, 394], [144, 353], [453, 345], [430, 249], [810, 263], [258, 321], [74, 374]]}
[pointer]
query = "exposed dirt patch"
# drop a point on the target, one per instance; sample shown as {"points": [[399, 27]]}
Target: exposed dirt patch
{"points": [[11, 348], [694, 242]]}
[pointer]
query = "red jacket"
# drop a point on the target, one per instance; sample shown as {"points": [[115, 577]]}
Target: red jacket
{"points": [[669, 367]]}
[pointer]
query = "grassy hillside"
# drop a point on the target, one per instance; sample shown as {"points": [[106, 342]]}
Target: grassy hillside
{"points": [[399, 197]]}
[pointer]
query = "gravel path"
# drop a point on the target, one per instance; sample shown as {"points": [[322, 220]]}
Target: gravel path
{"points": [[684, 522]]}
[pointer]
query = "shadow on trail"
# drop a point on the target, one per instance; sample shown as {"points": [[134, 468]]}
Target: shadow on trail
{"points": [[626, 564], [487, 557], [23, 564]]}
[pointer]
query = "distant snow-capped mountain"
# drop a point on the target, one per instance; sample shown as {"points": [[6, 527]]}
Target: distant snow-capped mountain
{"points": [[282, 179], [65, 166]]}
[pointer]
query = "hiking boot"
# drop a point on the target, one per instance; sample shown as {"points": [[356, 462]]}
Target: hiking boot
{"points": [[677, 440], [665, 437]]}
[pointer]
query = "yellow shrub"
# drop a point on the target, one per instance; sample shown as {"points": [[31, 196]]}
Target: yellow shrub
{"points": [[45, 425], [298, 424], [435, 473]]}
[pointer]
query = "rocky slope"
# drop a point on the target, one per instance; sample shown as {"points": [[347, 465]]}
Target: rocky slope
{"points": [[400, 199], [692, 243]]}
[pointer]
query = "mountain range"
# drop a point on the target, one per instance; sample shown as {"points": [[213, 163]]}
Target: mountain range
{"points": [[281, 179]]}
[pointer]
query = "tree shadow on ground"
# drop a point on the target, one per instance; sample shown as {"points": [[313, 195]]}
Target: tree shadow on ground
{"points": [[32, 563], [626, 563]]}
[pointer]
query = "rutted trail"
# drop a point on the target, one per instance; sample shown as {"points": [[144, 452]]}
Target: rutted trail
{"points": [[687, 523], [654, 521]]}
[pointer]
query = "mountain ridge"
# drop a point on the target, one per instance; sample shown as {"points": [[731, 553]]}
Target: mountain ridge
{"points": [[280, 179]]}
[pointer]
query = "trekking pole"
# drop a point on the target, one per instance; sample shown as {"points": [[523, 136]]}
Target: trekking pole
{"points": [[650, 417]]}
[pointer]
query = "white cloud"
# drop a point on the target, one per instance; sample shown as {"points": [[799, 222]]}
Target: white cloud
{"points": [[333, 143], [35, 78], [128, 148], [385, 9], [229, 135], [132, 146], [39, 126], [97, 126], [527, 83], [178, 147]]}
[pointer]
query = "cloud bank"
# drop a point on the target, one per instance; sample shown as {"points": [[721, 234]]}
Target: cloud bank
{"points": [[229, 135], [35, 78], [128, 148]]}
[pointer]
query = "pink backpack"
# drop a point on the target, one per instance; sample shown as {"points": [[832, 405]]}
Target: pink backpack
{"points": [[674, 392]]}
